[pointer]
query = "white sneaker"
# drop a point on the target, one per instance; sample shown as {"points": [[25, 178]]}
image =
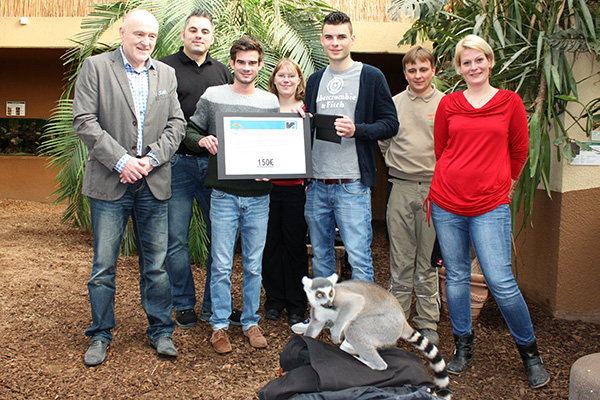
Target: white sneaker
{"points": [[300, 327]]}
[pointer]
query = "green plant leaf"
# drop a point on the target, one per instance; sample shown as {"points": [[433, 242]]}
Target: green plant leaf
{"points": [[567, 98]]}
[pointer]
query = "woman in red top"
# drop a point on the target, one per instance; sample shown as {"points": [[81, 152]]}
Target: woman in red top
{"points": [[285, 260], [481, 144]]}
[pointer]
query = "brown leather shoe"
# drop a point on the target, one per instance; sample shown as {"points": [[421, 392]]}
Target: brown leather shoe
{"points": [[254, 333], [220, 341]]}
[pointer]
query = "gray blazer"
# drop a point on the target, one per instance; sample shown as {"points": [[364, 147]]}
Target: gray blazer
{"points": [[105, 120]]}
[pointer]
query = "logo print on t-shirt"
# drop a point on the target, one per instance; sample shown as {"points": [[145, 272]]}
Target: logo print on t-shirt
{"points": [[335, 85]]}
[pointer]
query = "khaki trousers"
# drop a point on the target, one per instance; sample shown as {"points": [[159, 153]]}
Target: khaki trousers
{"points": [[411, 244]]}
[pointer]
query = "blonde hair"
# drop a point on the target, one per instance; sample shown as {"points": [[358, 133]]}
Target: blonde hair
{"points": [[292, 65], [473, 42]]}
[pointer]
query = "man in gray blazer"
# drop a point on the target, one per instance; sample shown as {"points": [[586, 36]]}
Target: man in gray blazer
{"points": [[127, 114]]}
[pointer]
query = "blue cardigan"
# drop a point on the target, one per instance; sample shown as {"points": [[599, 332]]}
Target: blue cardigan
{"points": [[375, 116]]}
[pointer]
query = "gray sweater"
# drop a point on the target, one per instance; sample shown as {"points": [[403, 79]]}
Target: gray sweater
{"points": [[203, 122]]}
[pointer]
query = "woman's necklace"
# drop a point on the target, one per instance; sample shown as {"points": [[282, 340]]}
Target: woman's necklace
{"points": [[483, 99]]}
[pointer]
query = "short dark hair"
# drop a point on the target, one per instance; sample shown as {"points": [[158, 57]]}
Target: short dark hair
{"points": [[246, 43], [418, 53], [337, 18], [200, 14]]}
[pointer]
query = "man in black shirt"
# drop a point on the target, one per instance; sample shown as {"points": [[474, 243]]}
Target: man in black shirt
{"points": [[196, 70]]}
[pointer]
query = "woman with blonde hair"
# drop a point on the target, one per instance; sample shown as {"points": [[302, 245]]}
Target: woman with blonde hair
{"points": [[285, 260], [481, 144]]}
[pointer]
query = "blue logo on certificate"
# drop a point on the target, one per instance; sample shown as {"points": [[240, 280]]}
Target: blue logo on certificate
{"points": [[247, 124]]}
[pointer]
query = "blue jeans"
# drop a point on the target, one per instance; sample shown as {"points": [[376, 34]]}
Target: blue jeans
{"points": [[249, 215], [188, 173], [348, 205], [109, 219], [490, 234]]}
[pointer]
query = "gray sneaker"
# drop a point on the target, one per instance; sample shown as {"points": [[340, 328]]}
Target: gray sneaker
{"points": [[165, 347], [431, 335], [96, 353], [205, 315]]}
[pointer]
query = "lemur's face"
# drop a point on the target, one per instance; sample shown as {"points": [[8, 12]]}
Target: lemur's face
{"points": [[324, 296], [320, 291]]}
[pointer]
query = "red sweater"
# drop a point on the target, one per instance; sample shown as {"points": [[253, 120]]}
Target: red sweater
{"points": [[289, 182], [478, 151]]}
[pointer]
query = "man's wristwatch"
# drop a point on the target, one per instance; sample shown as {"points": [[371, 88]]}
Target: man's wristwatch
{"points": [[154, 162]]}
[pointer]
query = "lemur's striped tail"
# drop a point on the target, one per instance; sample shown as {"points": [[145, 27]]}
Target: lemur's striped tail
{"points": [[436, 362]]}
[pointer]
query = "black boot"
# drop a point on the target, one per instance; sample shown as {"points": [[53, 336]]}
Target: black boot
{"points": [[536, 372], [463, 355]]}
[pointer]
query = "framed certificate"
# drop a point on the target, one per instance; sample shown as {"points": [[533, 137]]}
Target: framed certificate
{"points": [[263, 145]]}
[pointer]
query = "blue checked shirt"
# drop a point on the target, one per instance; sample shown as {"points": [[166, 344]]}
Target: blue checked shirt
{"points": [[138, 82]]}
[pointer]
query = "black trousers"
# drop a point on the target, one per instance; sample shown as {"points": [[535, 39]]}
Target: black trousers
{"points": [[285, 260]]}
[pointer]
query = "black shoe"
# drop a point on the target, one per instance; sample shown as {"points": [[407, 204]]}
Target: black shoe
{"points": [[295, 318], [234, 318], [186, 318], [536, 372], [463, 354], [272, 314]]}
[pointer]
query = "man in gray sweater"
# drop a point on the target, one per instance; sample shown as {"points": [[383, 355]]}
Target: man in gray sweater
{"points": [[241, 204], [411, 161]]}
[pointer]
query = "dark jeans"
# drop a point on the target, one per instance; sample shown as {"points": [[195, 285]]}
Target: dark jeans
{"points": [[187, 183]]}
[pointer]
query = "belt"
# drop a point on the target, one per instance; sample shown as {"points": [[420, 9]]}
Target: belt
{"points": [[335, 181]]}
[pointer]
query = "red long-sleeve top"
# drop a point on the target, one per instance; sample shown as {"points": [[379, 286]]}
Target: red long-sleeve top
{"points": [[478, 152]]}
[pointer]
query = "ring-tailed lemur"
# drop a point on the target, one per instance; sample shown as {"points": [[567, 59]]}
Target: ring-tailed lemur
{"points": [[367, 317]]}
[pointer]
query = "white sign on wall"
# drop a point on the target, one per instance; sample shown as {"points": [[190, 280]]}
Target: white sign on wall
{"points": [[587, 157], [15, 108]]}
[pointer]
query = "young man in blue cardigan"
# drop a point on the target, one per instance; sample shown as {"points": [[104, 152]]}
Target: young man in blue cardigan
{"points": [[344, 169]]}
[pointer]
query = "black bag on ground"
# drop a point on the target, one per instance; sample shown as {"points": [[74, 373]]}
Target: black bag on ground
{"points": [[319, 371]]}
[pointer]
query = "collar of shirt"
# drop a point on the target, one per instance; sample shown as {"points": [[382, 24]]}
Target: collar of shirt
{"points": [[148, 64], [185, 59], [425, 98]]}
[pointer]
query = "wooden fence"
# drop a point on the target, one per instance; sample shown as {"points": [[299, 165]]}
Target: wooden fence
{"points": [[358, 10]]}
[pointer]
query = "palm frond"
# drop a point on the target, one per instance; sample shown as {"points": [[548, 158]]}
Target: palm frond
{"points": [[198, 238]]}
